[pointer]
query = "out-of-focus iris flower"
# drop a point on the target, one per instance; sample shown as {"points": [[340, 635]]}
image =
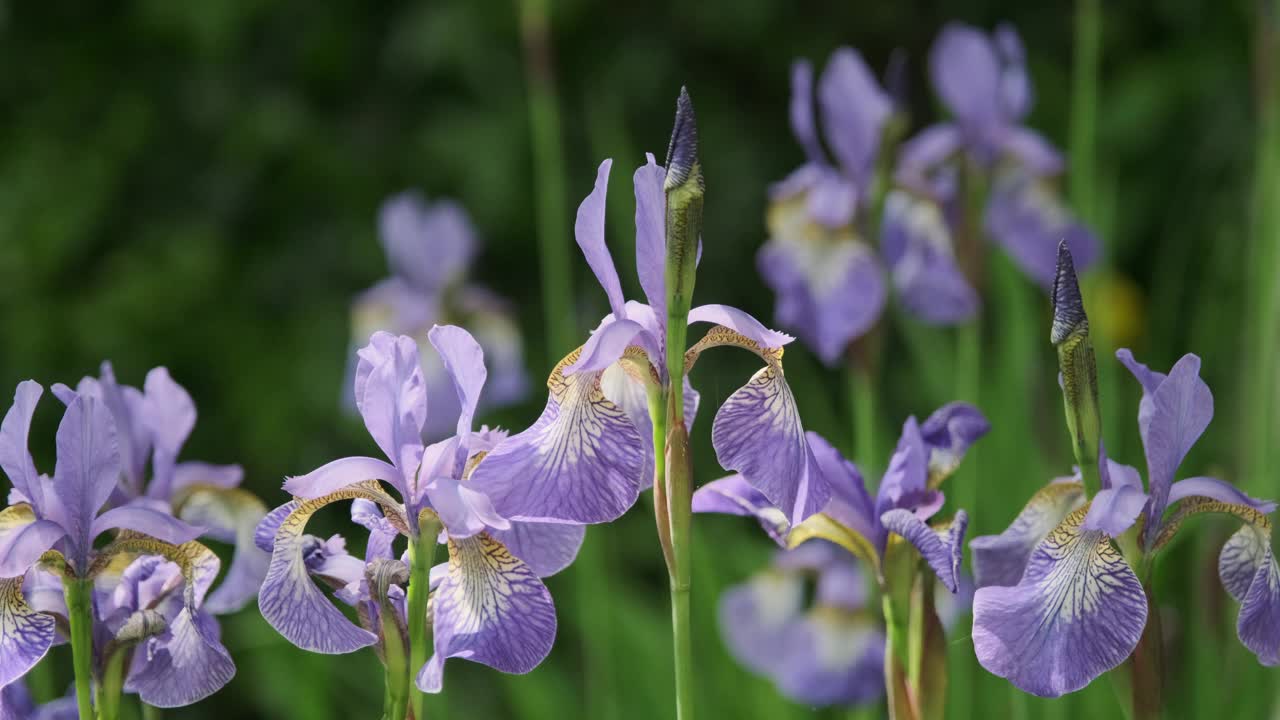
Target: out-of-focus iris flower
{"points": [[1058, 603], [47, 539], [982, 79], [490, 555], [820, 259], [591, 452], [430, 249], [907, 498], [154, 422], [16, 703]]}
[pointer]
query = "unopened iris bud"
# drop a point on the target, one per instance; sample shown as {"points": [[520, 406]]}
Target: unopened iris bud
{"points": [[1070, 335], [684, 189]]}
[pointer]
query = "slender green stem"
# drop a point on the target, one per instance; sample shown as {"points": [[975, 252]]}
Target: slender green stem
{"points": [[549, 188], [422, 551], [1084, 107], [79, 596], [150, 713], [968, 389], [110, 690], [396, 698], [862, 396]]}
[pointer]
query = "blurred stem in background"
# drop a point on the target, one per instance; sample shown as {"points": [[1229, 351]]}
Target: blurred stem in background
{"points": [[861, 369]]}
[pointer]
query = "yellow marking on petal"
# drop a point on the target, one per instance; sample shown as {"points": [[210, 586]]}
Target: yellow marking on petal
{"points": [[56, 563], [198, 563], [16, 516], [481, 567], [1199, 505], [719, 336], [822, 526]]}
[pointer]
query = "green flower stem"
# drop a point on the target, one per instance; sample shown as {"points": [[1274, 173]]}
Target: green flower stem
{"points": [[79, 596], [1084, 107], [110, 691], [422, 551], [150, 713], [862, 396], [396, 700], [968, 389]]}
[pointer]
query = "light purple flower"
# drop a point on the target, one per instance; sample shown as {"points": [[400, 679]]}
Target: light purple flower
{"points": [[589, 455], [1058, 605], [490, 555], [16, 703], [430, 249]]}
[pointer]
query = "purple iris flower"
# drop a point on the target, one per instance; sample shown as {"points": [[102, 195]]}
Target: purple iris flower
{"points": [[16, 703], [48, 531], [490, 555], [982, 79], [590, 453], [431, 248], [819, 259], [906, 499], [1058, 604], [154, 423]]}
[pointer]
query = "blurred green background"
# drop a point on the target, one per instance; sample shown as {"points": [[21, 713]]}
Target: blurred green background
{"points": [[195, 185]]}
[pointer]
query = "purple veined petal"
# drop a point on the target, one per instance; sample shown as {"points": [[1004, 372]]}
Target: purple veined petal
{"points": [[1032, 151], [629, 395], [27, 634], [169, 415], [924, 152], [854, 110], [908, 475], [589, 231], [1250, 574], [264, 535], [21, 547], [832, 658], [186, 665], [547, 548], [186, 474], [86, 473], [581, 462], [800, 111], [1001, 559], [289, 600], [605, 346], [335, 475], [741, 323], [44, 593], [464, 361], [757, 616], [427, 246], [917, 245], [1077, 612], [463, 511], [948, 433], [1181, 409], [757, 432], [15, 458], [511, 635], [391, 395], [850, 502], [1218, 490], [941, 547], [966, 73], [832, 200], [147, 520], [230, 515], [651, 233], [1115, 509], [733, 495], [382, 534]]}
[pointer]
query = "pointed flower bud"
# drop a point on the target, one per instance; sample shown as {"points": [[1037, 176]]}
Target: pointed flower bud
{"points": [[684, 188], [1070, 334]]}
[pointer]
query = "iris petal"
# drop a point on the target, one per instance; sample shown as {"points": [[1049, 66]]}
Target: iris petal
{"points": [[1001, 559], [27, 634], [547, 548], [185, 665], [733, 495], [941, 546]]}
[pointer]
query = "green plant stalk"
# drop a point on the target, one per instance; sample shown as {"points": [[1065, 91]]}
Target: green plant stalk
{"points": [[79, 596], [1084, 108], [112, 686], [396, 698], [150, 713], [862, 396], [549, 170], [1080, 395], [422, 551]]}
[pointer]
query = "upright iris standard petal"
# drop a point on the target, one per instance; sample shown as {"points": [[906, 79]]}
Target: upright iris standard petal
{"points": [[27, 634], [850, 503], [854, 111], [948, 433], [916, 241], [651, 251], [733, 495], [803, 125], [392, 396], [490, 608], [589, 230], [169, 415], [906, 480], [966, 74], [428, 246], [941, 547], [188, 666], [15, 457], [581, 462], [87, 469], [1114, 510], [464, 361], [1077, 612], [1001, 559]]}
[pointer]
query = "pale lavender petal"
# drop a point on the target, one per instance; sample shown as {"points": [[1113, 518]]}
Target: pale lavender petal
{"points": [[27, 634], [22, 547], [169, 415], [757, 616], [1026, 216], [949, 432], [1218, 490], [589, 231], [1242, 556], [741, 323], [391, 395], [757, 432], [248, 568], [463, 510], [928, 149], [512, 635], [128, 409], [147, 520], [651, 249], [382, 534], [1122, 475], [606, 345], [1033, 151], [186, 665], [832, 199], [15, 458], [850, 503], [264, 535], [917, 245], [547, 548], [464, 361], [1251, 575], [1115, 509], [854, 110], [907, 477], [86, 472], [1015, 86], [1148, 378], [186, 474], [941, 547], [427, 246], [803, 125], [340, 473], [733, 495], [16, 703], [966, 74], [1078, 612], [832, 658], [581, 462], [1181, 408], [1001, 559]]}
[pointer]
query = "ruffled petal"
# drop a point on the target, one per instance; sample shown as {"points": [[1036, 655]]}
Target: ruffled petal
{"points": [[86, 473], [941, 547], [606, 345], [391, 395], [581, 462], [463, 510], [854, 110], [651, 233], [185, 665], [1001, 559], [464, 362], [1078, 612], [490, 608], [27, 634], [733, 495], [589, 231], [547, 548], [948, 433]]}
